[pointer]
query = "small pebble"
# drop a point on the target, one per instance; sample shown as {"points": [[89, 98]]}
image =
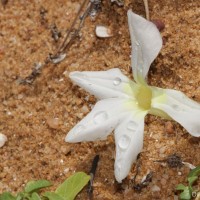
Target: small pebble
{"points": [[3, 139], [155, 188], [66, 170], [103, 31], [65, 149], [66, 73], [53, 122], [84, 109], [169, 128], [61, 161], [162, 149]]}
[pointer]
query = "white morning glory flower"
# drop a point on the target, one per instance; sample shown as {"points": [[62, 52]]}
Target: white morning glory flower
{"points": [[124, 104]]}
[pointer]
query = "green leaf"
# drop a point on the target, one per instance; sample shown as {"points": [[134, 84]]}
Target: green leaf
{"points": [[36, 185], [194, 172], [7, 196], [52, 196], [20, 196], [72, 186], [180, 187], [186, 194], [35, 196], [192, 179]]}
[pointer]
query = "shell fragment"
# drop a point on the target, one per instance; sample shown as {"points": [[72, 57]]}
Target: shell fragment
{"points": [[103, 31], [3, 139]]}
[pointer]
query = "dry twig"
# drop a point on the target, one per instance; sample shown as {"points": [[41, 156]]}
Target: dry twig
{"points": [[92, 174], [172, 161], [93, 6], [146, 8]]}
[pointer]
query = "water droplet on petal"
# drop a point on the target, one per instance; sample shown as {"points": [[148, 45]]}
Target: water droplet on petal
{"points": [[176, 107], [117, 81], [124, 142], [137, 43], [100, 117], [78, 129], [132, 126], [140, 69]]}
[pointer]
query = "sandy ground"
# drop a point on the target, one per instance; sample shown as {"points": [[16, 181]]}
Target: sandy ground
{"points": [[37, 117]]}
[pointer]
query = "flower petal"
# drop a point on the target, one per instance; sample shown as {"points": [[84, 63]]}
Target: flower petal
{"points": [[182, 109], [103, 84], [129, 143], [146, 43], [100, 122]]}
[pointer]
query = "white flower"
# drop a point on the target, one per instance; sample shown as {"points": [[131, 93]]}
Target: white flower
{"points": [[124, 104]]}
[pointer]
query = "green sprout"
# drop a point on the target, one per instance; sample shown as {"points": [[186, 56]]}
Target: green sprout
{"points": [[187, 191], [66, 191]]}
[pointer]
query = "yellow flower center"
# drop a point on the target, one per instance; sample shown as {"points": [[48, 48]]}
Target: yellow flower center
{"points": [[144, 96]]}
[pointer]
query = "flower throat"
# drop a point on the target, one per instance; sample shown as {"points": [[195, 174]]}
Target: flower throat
{"points": [[143, 96]]}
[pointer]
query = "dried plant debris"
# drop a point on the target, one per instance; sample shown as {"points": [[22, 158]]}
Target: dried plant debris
{"points": [[55, 59], [88, 8], [92, 175], [175, 160], [55, 33], [73, 30], [35, 72], [43, 19], [172, 161], [146, 8], [189, 165], [118, 2], [144, 182], [94, 8]]}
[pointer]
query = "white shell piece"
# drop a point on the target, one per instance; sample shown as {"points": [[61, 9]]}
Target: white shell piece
{"points": [[103, 84], [182, 109], [146, 43], [3, 139], [129, 143], [59, 58], [189, 165], [145, 176], [118, 2], [100, 122], [103, 31]]}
